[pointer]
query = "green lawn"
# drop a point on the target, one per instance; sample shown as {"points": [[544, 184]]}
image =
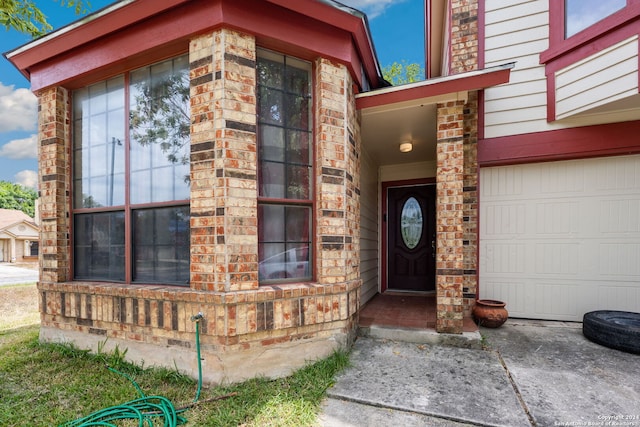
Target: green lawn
{"points": [[50, 384]]}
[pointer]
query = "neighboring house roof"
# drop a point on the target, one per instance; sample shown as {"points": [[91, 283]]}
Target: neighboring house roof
{"points": [[10, 217]]}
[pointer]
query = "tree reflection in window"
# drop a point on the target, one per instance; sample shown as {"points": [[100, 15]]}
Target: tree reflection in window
{"points": [[160, 115]]}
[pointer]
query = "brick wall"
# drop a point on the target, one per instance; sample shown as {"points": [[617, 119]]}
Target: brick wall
{"points": [[54, 168], [464, 58], [338, 172], [224, 239], [464, 36], [470, 202], [449, 217], [248, 329]]}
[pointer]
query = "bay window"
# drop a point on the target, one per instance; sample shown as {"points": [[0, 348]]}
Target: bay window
{"points": [[131, 176], [285, 147]]}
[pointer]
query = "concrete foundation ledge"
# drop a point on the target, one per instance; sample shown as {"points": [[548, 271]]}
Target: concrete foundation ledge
{"points": [[218, 367], [423, 336]]}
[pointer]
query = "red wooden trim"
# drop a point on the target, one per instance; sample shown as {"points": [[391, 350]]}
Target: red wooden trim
{"points": [[556, 23], [564, 144], [345, 21], [435, 88], [480, 114], [428, 15], [601, 35], [116, 20], [612, 29], [383, 217], [104, 47], [551, 96], [478, 213]]}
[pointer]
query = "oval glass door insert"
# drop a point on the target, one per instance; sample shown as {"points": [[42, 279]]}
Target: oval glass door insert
{"points": [[411, 222]]}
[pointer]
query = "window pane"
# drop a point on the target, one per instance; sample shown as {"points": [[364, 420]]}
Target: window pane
{"points": [[270, 70], [275, 229], [298, 182], [298, 80], [298, 147], [272, 146], [158, 146], [284, 167], [98, 98], [279, 261], [298, 116], [284, 249], [161, 241], [159, 131], [98, 142], [99, 246], [298, 219], [272, 180], [271, 106], [580, 14]]}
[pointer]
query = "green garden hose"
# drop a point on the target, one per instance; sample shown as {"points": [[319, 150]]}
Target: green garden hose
{"points": [[145, 409]]}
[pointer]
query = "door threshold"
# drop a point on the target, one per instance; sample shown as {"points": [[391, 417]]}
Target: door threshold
{"points": [[409, 292]]}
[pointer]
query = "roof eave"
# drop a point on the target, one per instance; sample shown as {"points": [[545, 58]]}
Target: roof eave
{"points": [[472, 80]]}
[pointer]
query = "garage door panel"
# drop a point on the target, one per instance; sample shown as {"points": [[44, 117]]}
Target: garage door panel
{"points": [[557, 217], [505, 257], [618, 176], [517, 294], [620, 260], [612, 296], [619, 215], [561, 236], [505, 220], [557, 258], [562, 179]]}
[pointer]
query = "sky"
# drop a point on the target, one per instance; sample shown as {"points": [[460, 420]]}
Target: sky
{"points": [[397, 28]]}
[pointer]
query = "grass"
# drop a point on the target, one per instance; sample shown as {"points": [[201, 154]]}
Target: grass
{"points": [[49, 384], [18, 306]]}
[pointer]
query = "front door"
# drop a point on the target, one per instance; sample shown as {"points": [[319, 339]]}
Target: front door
{"points": [[411, 238]]}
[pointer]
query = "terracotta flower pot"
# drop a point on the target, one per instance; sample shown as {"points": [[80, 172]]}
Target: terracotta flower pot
{"points": [[490, 313]]}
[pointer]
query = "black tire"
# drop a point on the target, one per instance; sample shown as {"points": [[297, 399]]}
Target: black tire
{"points": [[614, 329]]}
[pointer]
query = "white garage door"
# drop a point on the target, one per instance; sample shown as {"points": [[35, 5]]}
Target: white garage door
{"points": [[560, 239]]}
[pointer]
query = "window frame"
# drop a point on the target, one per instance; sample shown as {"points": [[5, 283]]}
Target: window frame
{"points": [[309, 203], [128, 208], [576, 46]]}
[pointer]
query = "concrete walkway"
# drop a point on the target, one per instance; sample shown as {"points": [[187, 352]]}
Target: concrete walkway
{"points": [[532, 374]]}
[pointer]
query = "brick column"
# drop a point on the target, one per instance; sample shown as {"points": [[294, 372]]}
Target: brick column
{"points": [[450, 218], [53, 183], [464, 36], [224, 233], [470, 200], [337, 172]]}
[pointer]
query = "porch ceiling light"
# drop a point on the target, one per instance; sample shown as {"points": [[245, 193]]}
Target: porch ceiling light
{"points": [[405, 147]]}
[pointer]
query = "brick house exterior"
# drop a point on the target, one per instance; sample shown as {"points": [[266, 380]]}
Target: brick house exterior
{"points": [[250, 328]]}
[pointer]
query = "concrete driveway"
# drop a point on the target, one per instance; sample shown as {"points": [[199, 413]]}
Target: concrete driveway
{"points": [[532, 374], [10, 274]]}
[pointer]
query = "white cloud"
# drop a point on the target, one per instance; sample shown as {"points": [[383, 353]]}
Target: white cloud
{"points": [[26, 148], [18, 109], [27, 178], [372, 8]]}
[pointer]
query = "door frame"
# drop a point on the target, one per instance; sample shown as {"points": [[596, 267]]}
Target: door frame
{"points": [[383, 220]]}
